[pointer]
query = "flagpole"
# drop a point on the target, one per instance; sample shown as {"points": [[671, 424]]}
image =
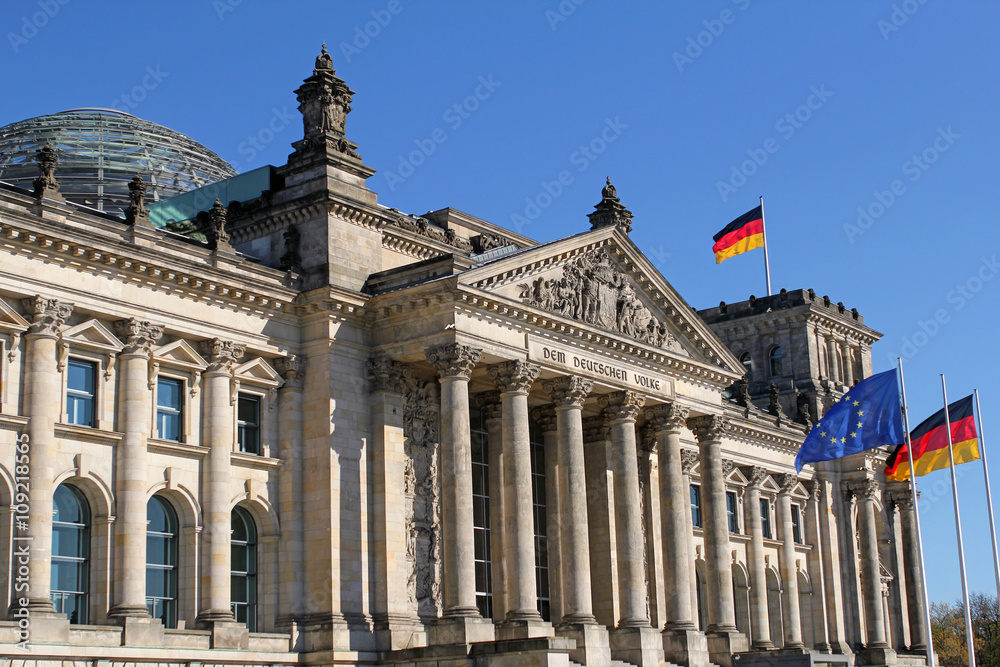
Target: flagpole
{"points": [[989, 495], [916, 513], [763, 230], [958, 529]]}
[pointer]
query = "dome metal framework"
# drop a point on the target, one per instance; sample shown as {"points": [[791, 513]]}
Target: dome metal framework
{"points": [[100, 150]]}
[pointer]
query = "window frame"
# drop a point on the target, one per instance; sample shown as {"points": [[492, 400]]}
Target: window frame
{"points": [[798, 525], [69, 394], [251, 576], [182, 411], [259, 400], [697, 518], [83, 562], [169, 619], [766, 524], [733, 513], [775, 354]]}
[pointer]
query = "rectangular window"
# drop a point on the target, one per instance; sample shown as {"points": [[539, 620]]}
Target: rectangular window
{"points": [[81, 380], [696, 506], [169, 408], [765, 517], [797, 524], [481, 511], [248, 423], [732, 509]]}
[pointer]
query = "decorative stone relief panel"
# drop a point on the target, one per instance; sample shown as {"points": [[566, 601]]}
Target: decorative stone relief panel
{"points": [[594, 290], [421, 432]]}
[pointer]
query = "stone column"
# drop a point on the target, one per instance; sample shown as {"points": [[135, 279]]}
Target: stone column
{"points": [[134, 410], [601, 520], [489, 403], [877, 645], [462, 622], [634, 640], [760, 624], [790, 597], [218, 434], [291, 446], [833, 355], [816, 564], [903, 499], [394, 617], [42, 407], [848, 364], [682, 643], [578, 622], [513, 380], [724, 639], [545, 417]]}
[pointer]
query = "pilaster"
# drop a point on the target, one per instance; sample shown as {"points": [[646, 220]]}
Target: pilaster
{"points": [[789, 575], [760, 626]]}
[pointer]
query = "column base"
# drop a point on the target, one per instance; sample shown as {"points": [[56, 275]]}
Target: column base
{"points": [[877, 656], [685, 646], [723, 643], [41, 606], [394, 632], [141, 631], [460, 630], [593, 645], [120, 612], [639, 646], [528, 628]]}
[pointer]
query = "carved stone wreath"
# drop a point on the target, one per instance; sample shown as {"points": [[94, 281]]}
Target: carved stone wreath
{"points": [[592, 289]]}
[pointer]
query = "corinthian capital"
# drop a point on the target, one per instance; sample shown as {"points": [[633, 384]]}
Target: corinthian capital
{"points": [[708, 428], [47, 315], [621, 405], [292, 370], [689, 459], [669, 417], [569, 390], [489, 403], [755, 476], [386, 374], [514, 376], [595, 428], [454, 360], [138, 335], [222, 354], [787, 482]]}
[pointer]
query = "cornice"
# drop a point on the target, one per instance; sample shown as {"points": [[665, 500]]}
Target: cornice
{"points": [[86, 434], [788, 438], [530, 320], [164, 264]]}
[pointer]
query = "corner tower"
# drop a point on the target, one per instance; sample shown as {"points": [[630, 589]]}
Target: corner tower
{"points": [[810, 349]]}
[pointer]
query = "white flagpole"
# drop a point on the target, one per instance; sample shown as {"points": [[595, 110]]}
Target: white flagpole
{"points": [[916, 513], [989, 495], [970, 643], [763, 229]]}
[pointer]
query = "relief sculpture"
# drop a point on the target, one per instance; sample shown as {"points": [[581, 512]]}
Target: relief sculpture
{"points": [[421, 419], [594, 290]]}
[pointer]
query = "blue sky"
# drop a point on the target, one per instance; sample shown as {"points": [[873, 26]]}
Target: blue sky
{"points": [[828, 110]]}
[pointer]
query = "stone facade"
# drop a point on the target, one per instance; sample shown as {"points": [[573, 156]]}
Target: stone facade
{"points": [[335, 434]]}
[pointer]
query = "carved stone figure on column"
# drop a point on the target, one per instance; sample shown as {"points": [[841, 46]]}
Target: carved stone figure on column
{"points": [[324, 101], [216, 233], [46, 184], [136, 213]]}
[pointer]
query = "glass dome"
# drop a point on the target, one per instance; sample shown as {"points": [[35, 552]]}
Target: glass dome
{"points": [[99, 152]]}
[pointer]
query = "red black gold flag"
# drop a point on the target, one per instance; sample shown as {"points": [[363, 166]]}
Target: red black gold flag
{"points": [[742, 234], [930, 443]]}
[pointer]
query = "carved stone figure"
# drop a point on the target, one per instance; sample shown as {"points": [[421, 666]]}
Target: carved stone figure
{"points": [[216, 234], [290, 261], [610, 211], [46, 184], [594, 290], [136, 211], [773, 406], [803, 416]]}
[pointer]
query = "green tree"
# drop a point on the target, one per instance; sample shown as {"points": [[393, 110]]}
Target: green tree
{"points": [[948, 630]]}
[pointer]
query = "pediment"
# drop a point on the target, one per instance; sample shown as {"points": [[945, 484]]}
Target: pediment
{"points": [[259, 371], [10, 319], [94, 335], [769, 485], [601, 280], [179, 353], [736, 477]]}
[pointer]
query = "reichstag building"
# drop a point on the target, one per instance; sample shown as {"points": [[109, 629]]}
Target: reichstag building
{"points": [[261, 419]]}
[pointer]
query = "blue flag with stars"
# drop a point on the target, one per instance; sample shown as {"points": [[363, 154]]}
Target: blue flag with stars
{"points": [[868, 416]]}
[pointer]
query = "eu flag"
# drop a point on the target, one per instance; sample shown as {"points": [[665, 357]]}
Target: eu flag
{"points": [[868, 416]]}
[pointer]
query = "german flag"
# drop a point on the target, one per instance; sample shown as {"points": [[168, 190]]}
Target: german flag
{"points": [[930, 443], [742, 234]]}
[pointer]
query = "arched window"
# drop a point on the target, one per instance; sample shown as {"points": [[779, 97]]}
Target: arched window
{"points": [[161, 561], [774, 361], [71, 553], [747, 364], [244, 569]]}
